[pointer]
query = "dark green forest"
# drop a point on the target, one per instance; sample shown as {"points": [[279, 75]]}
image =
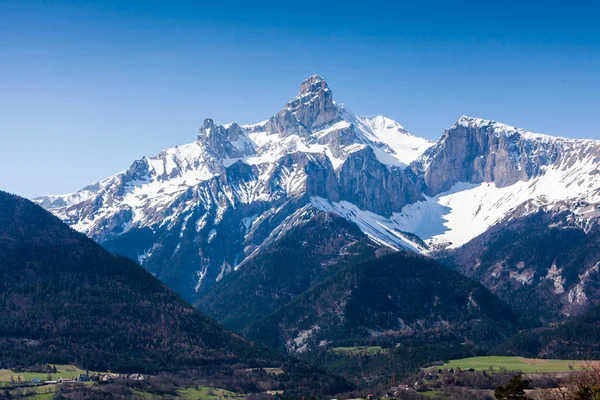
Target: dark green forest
{"points": [[64, 299]]}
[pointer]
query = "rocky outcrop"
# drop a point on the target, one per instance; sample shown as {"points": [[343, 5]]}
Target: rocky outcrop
{"points": [[312, 108], [225, 141], [367, 183], [475, 151], [339, 138], [285, 124]]}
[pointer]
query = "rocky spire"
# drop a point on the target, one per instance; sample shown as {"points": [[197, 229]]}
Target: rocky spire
{"points": [[207, 127], [312, 108], [208, 123], [218, 139], [312, 85]]}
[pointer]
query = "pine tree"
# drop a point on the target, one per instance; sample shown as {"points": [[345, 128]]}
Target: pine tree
{"points": [[513, 390]]}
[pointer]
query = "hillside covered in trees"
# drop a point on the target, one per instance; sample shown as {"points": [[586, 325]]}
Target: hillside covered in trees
{"points": [[401, 295], [324, 282], [577, 338], [64, 299]]}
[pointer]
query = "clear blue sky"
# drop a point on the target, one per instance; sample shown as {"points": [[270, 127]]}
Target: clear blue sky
{"points": [[87, 87]]}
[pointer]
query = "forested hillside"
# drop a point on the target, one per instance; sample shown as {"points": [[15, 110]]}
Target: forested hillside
{"points": [[64, 299]]}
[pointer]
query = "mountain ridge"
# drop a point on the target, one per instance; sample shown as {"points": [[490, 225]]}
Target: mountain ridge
{"points": [[204, 207]]}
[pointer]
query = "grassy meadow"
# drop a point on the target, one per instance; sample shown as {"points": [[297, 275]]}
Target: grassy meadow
{"points": [[516, 363]]}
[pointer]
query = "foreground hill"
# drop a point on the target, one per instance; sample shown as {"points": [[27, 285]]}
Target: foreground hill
{"points": [[325, 282], [402, 295], [288, 267], [64, 299]]}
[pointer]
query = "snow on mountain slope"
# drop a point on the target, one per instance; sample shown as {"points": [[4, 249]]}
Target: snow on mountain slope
{"points": [[59, 201], [153, 184], [136, 196], [452, 218], [480, 170], [569, 171], [385, 231], [406, 146]]}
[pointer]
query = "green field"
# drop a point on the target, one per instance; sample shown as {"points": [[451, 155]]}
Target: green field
{"points": [[45, 392], [359, 350], [516, 363], [63, 371], [39, 392]]}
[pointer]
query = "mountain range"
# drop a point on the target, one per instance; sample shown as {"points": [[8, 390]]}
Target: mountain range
{"points": [[196, 213]]}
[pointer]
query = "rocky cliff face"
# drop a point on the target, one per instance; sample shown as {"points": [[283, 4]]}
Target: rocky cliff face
{"points": [[370, 185], [311, 109], [475, 151]]}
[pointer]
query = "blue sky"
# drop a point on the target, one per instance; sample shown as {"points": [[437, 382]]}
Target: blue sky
{"points": [[87, 87]]}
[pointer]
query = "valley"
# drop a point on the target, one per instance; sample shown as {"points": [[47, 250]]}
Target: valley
{"points": [[337, 249], [314, 200]]}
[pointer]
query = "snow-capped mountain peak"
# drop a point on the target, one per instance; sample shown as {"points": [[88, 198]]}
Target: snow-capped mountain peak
{"points": [[379, 123], [500, 128], [312, 108], [406, 146], [318, 124], [311, 86], [311, 123]]}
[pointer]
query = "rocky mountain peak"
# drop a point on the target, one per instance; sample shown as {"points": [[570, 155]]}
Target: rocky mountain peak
{"points": [[312, 108], [205, 130], [481, 126], [477, 150], [312, 85], [499, 129], [224, 141], [465, 120], [208, 123]]}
